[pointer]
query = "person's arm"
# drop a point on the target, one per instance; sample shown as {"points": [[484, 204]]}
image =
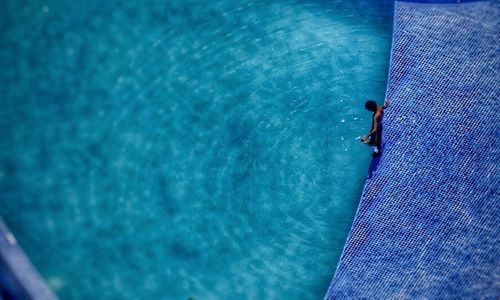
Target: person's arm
{"points": [[375, 125], [365, 138], [386, 104], [374, 130]]}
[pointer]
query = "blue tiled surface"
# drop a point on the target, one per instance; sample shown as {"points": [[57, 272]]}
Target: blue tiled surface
{"points": [[18, 279], [427, 226], [439, 1]]}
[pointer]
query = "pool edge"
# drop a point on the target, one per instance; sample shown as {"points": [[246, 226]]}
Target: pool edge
{"points": [[344, 290], [18, 278]]}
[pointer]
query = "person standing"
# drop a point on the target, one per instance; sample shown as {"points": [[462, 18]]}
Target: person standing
{"points": [[374, 137]]}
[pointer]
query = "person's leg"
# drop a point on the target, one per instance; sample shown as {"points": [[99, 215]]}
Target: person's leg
{"points": [[379, 140], [374, 143]]}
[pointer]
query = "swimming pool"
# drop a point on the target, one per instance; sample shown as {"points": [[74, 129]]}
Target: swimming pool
{"points": [[166, 150]]}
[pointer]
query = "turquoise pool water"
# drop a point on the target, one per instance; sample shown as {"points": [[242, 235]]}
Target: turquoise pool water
{"points": [[175, 149]]}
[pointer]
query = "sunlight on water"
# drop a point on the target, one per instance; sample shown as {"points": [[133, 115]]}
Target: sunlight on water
{"points": [[175, 149]]}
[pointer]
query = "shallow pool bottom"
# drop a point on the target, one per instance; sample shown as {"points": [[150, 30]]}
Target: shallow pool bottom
{"points": [[175, 150]]}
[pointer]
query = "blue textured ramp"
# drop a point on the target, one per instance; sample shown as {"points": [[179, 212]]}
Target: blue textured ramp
{"points": [[428, 222]]}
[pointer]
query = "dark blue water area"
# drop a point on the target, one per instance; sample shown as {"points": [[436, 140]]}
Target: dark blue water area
{"points": [[175, 149]]}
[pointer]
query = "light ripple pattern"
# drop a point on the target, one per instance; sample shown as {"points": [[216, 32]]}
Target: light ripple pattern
{"points": [[175, 149]]}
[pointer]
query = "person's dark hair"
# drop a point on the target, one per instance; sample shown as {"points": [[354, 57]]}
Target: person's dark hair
{"points": [[371, 105]]}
